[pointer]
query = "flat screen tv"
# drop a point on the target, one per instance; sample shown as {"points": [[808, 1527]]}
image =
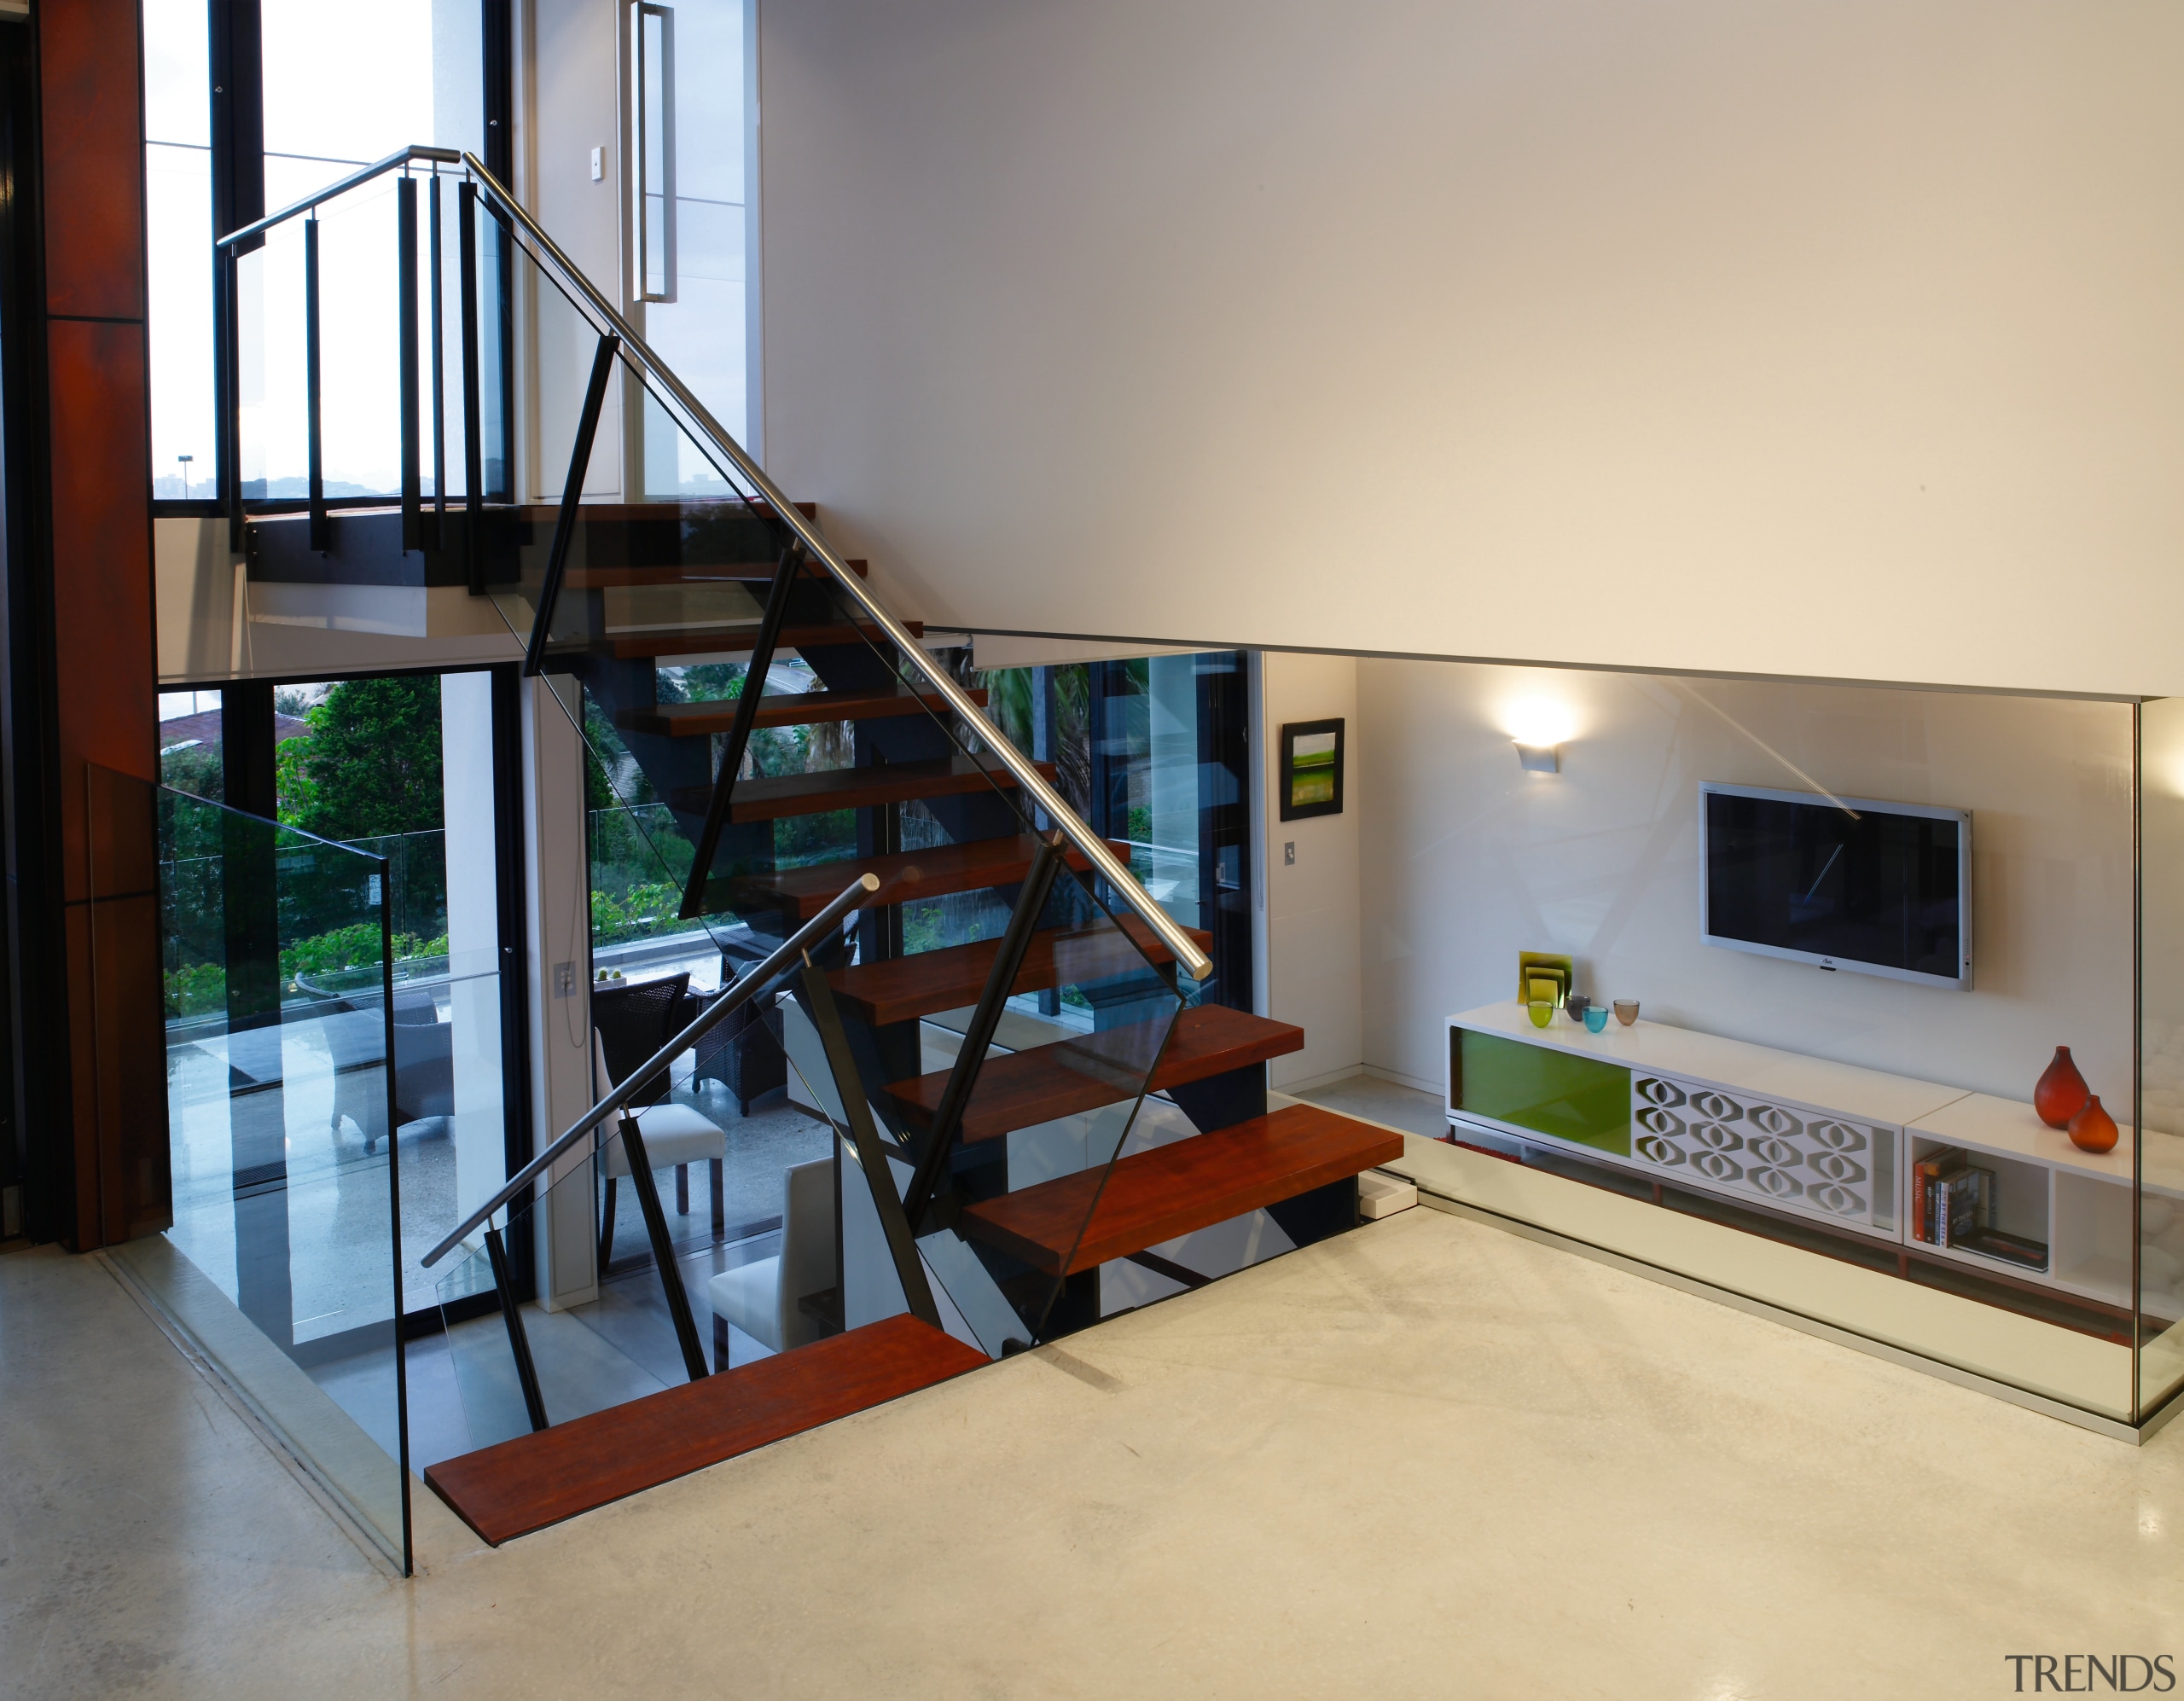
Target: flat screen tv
{"points": [[1844, 883]]}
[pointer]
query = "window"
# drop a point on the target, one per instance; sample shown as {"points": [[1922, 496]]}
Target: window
{"points": [[178, 247], [332, 97]]}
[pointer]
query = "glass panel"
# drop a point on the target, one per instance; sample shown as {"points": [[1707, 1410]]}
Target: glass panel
{"points": [[2159, 1216], [270, 384], [360, 348], [337, 96], [700, 331], [178, 241], [280, 1260], [400, 767], [190, 758]]}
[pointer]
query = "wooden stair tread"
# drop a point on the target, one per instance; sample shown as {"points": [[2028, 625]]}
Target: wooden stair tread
{"points": [[853, 788], [904, 876], [708, 641], [1022, 1088], [783, 709], [1154, 1196], [531, 1481], [903, 988]]}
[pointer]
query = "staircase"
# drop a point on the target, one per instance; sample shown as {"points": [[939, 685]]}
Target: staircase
{"points": [[667, 611]]}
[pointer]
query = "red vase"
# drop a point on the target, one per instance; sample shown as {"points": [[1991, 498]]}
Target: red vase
{"points": [[2093, 1130], [2062, 1091]]}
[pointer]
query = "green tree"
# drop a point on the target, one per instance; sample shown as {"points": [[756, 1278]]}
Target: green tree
{"points": [[371, 765]]}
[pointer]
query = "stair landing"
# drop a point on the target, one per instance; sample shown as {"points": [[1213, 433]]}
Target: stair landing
{"points": [[532, 1481]]}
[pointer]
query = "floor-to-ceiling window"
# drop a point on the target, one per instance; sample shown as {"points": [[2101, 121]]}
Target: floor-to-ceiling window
{"points": [[687, 146], [178, 247], [402, 767], [254, 104]]}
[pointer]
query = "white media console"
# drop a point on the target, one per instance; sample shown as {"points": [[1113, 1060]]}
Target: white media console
{"points": [[1813, 1139]]}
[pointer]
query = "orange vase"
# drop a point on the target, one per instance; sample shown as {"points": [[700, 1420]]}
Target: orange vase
{"points": [[2062, 1091], [2093, 1130]]}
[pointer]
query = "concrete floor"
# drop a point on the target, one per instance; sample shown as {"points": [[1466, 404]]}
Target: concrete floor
{"points": [[1425, 1459]]}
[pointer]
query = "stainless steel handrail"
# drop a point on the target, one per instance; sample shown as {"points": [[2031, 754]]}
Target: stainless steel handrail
{"points": [[852, 897], [433, 156], [1021, 767]]}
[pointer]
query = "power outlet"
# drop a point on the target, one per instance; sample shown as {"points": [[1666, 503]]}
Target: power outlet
{"points": [[1289, 853], [565, 980]]}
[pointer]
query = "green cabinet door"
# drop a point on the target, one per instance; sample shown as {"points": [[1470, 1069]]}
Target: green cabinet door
{"points": [[1543, 1089]]}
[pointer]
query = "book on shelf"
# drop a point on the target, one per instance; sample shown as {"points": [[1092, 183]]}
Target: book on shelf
{"points": [[1951, 1197], [2011, 1249], [1926, 1178]]}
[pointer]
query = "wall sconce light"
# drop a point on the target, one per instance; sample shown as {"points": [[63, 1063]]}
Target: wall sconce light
{"points": [[1538, 726]]}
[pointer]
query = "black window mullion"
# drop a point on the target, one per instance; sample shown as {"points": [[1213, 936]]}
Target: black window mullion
{"points": [[237, 59]]}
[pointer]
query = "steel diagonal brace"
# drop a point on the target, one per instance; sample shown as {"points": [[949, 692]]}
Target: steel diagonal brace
{"points": [[739, 736], [1000, 980], [871, 1155]]}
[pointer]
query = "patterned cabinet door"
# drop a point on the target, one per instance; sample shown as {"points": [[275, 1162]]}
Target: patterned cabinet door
{"points": [[1790, 1157]]}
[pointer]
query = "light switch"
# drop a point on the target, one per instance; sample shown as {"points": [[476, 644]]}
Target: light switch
{"points": [[1289, 853], [565, 980], [598, 165]]}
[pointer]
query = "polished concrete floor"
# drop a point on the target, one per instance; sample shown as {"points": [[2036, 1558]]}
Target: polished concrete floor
{"points": [[1425, 1458]]}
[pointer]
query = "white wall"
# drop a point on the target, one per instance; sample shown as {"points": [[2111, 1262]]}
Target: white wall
{"points": [[1311, 942], [557, 895], [1833, 337], [1468, 860], [468, 801]]}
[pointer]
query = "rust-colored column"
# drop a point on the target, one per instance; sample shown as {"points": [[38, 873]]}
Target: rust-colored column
{"points": [[104, 657]]}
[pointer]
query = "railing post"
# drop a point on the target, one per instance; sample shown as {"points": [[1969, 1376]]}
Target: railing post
{"points": [[435, 534], [228, 327], [526, 1373], [405, 268], [871, 1156], [314, 435], [473, 455], [565, 523], [663, 1250]]}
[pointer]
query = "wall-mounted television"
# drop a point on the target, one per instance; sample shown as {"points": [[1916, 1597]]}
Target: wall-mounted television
{"points": [[1844, 883]]}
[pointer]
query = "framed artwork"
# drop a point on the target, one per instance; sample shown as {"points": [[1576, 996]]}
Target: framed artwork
{"points": [[1311, 769]]}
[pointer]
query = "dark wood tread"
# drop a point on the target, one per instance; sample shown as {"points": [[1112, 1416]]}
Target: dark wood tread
{"points": [[903, 988], [753, 576], [905, 876], [854, 788], [786, 709], [711, 640], [1026, 1088], [1075, 1222], [532, 1481]]}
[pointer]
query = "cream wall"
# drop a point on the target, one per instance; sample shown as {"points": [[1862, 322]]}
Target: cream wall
{"points": [[1309, 943], [1836, 339], [1467, 860]]}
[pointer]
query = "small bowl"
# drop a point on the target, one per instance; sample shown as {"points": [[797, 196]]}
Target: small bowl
{"points": [[1577, 1004], [1542, 1013], [1596, 1017], [1626, 1011]]}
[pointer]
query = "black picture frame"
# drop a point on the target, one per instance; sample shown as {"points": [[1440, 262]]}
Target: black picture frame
{"points": [[1313, 786]]}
